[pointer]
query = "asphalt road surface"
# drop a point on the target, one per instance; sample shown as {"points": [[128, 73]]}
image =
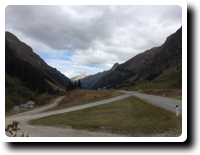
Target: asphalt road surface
{"points": [[164, 102]]}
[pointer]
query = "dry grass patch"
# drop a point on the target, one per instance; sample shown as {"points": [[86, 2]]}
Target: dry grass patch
{"points": [[172, 93], [131, 116], [79, 97], [56, 87]]}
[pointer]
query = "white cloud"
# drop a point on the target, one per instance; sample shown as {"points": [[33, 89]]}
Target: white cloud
{"points": [[71, 69], [92, 35]]}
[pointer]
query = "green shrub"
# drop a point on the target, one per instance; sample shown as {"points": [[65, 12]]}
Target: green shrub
{"points": [[30, 95], [178, 83], [16, 93], [43, 98], [8, 104]]}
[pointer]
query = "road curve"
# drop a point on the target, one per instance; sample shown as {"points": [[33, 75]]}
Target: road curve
{"points": [[167, 103], [43, 131]]}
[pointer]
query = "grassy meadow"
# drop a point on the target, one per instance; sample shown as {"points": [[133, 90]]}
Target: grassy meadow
{"points": [[130, 116], [56, 87], [80, 96], [163, 84]]}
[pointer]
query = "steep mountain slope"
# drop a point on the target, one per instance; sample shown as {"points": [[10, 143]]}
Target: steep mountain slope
{"points": [[125, 70], [147, 65], [78, 77], [89, 81], [23, 82], [26, 53], [170, 53]]}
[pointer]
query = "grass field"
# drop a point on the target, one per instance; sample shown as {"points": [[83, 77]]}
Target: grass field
{"points": [[56, 87], [171, 93], [157, 89], [163, 84], [79, 97], [131, 116]]}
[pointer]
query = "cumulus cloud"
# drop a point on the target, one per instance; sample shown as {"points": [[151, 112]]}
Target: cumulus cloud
{"points": [[93, 35]]}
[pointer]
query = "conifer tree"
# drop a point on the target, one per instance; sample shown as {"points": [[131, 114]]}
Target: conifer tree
{"points": [[79, 84], [70, 86], [75, 85]]}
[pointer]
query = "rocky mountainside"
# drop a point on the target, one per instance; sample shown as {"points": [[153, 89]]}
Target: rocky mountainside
{"points": [[125, 70], [147, 65], [26, 53], [78, 77], [114, 67], [89, 81], [168, 54]]}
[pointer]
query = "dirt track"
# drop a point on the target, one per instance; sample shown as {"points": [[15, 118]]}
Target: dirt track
{"points": [[65, 131]]}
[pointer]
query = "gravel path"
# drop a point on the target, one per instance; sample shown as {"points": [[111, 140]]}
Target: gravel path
{"points": [[65, 131]]}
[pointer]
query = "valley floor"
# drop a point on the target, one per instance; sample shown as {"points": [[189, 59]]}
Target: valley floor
{"points": [[113, 120]]}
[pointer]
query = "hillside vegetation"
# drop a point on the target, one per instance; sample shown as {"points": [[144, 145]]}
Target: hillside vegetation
{"points": [[23, 82], [23, 70], [26, 53], [16, 93], [81, 96], [56, 87], [169, 83]]}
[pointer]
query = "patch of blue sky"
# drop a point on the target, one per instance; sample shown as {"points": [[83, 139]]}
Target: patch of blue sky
{"points": [[65, 58], [69, 54], [43, 55], [94, 66], [60, 56]]}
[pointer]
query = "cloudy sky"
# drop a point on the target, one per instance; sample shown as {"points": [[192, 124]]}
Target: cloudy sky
{"points": [[90, 39]]}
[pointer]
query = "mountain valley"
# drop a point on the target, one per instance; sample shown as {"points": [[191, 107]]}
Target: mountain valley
{"points": [[89, 81], [162, 64]]}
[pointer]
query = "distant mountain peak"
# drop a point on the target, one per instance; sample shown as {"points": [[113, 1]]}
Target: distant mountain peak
{"points": [[114, 66], [78, 77]]}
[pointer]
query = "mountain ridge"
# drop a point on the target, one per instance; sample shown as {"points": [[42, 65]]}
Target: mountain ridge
{"points": [[78, 77], [89, 81], [26, 53], [147, 65]]}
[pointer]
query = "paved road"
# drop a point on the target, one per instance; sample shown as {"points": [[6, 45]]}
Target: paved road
{"points": [[164, 102], [66, 131]]}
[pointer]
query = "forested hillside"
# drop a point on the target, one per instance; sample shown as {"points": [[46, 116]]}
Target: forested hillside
{"points": [[25, 52], [23, 82], [31, 77]]}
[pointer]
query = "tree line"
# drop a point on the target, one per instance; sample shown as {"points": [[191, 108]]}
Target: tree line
{"points": [[72, 86]]}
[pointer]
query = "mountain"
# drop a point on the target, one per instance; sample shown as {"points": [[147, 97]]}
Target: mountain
{"points": [[147, 65], [78, 77], [125, 70], [114, 66], [23, 82], [89, 81], [168, 54], [26, 53]]}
